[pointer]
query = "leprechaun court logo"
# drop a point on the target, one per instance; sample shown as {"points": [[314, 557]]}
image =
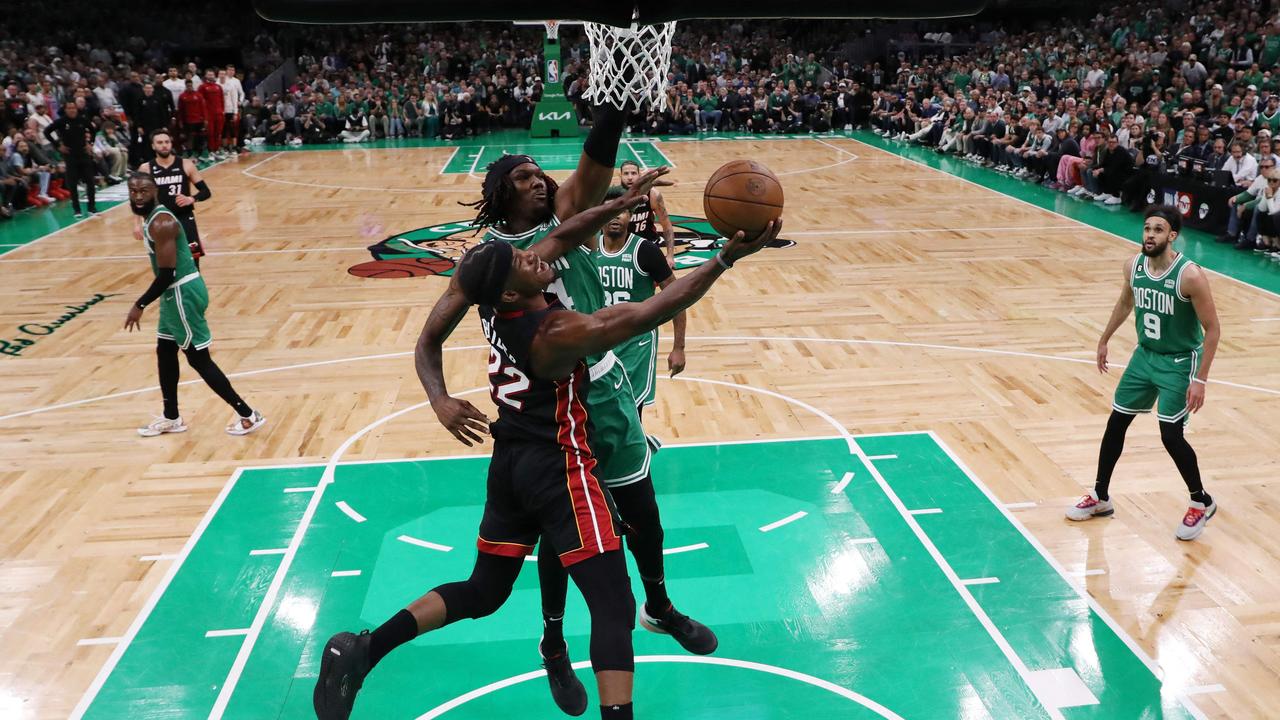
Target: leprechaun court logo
{"points": [[436, 250]]}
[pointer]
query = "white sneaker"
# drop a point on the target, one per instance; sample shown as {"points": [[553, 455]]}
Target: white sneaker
{"points": [[1112, 200], [162, 425], [1076, 191], [1101, 197], [238, 425], [1090, 507], [1194, 521]]}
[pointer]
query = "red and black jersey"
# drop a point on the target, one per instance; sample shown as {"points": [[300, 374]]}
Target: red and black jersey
{"points": [[529, 407], [642, 223]]}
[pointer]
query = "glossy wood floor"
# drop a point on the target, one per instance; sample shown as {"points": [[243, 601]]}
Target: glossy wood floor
{"points": [[912, 301]]}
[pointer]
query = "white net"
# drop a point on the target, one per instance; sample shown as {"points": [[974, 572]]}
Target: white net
{"points": [[629, 65]]}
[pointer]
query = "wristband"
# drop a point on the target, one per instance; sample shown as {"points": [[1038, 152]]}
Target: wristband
{"points": [[1197, 380], [720, 259]]}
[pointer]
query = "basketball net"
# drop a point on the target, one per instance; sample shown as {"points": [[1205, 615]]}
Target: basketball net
{"points": [[629, 65]]}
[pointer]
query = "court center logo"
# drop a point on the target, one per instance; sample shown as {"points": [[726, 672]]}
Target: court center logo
{"points": [[436, 250]]}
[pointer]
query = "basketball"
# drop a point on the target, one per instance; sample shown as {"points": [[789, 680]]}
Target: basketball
{"points": [[742, 195]]}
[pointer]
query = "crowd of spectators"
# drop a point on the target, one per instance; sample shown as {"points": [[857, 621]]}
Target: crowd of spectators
{"points": [[1095, 106], [1100, 109]]}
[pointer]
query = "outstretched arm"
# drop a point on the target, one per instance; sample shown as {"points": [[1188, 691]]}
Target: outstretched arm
{"points": [[659, 206], [1124, 306], [462, 419], [565, 338], [584, 225], [586, 187]]}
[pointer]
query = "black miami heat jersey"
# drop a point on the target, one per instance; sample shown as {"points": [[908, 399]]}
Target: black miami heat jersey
{"points": [[531, 408], [642, 221], [172, 181]]}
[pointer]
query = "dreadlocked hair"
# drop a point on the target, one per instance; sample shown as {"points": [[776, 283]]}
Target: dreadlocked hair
{"points": [[491, 208]]}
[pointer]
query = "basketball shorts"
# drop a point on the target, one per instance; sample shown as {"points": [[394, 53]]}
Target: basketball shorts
{"points": [[639, 357], [188, 223], [541, 489], [1157, 379], [182, 309], [617, 437]]}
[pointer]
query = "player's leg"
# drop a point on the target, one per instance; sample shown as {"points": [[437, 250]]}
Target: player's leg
{"points": [[553, 581], [192, 300], [1135, 394], [638, 506], [348, 658], [602, 579], [1173, 375], [507, 533], [167, 364]]}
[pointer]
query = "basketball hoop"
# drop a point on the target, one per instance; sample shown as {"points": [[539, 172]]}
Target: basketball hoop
{"points": [[553, 28], [629, 65]]}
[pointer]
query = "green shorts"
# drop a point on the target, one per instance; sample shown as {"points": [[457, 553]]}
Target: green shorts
{"points": [[639, 356], [182, 309], [617, 438], [1151, 376]]}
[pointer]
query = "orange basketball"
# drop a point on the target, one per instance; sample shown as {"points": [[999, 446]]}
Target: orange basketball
{"points": [[742, 195]]}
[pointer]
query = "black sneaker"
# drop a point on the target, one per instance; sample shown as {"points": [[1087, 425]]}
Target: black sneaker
{"points": [[566, 688], [343, 667], [691, 634]]}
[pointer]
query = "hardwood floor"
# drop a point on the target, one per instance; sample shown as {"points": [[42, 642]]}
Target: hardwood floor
{"points": [[911, 301]]}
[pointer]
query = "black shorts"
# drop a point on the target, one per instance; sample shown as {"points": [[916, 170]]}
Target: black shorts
{"points": [[540, 489], [188, 223]]}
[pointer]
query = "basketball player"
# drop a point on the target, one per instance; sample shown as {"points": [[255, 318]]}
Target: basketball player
{"points": [[631, 269], [521, 205], [542, 478], [176, 177], [650, 213], [183, 298], [1178, 335]]}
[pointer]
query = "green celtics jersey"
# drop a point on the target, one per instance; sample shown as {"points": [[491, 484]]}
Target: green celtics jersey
{"points": [[621, 276], [577, 283], [186, 265], [1166, 319]]}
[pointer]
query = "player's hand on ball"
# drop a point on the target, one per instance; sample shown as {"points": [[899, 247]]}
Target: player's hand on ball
{"points": [[1102, 357], [463, 420], [675, 362], [739, 247], [1195, 396], [132, 320]]}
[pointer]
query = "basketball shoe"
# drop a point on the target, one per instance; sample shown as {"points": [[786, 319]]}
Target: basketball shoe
{"points": [[1090, 507], [343, 667], [1197, 517]]}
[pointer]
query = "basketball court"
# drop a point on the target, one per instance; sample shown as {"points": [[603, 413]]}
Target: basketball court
{"points": [[866, 463]]}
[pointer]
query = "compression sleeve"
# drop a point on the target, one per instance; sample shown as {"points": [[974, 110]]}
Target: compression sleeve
{"points": [[653, 262], [606, 130], [164, 278], [202, 191]]}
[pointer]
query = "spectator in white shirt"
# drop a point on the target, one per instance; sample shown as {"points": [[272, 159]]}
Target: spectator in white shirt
{"points": [[106, 96], [174, 84], [232, 99], [1241, 165]]}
